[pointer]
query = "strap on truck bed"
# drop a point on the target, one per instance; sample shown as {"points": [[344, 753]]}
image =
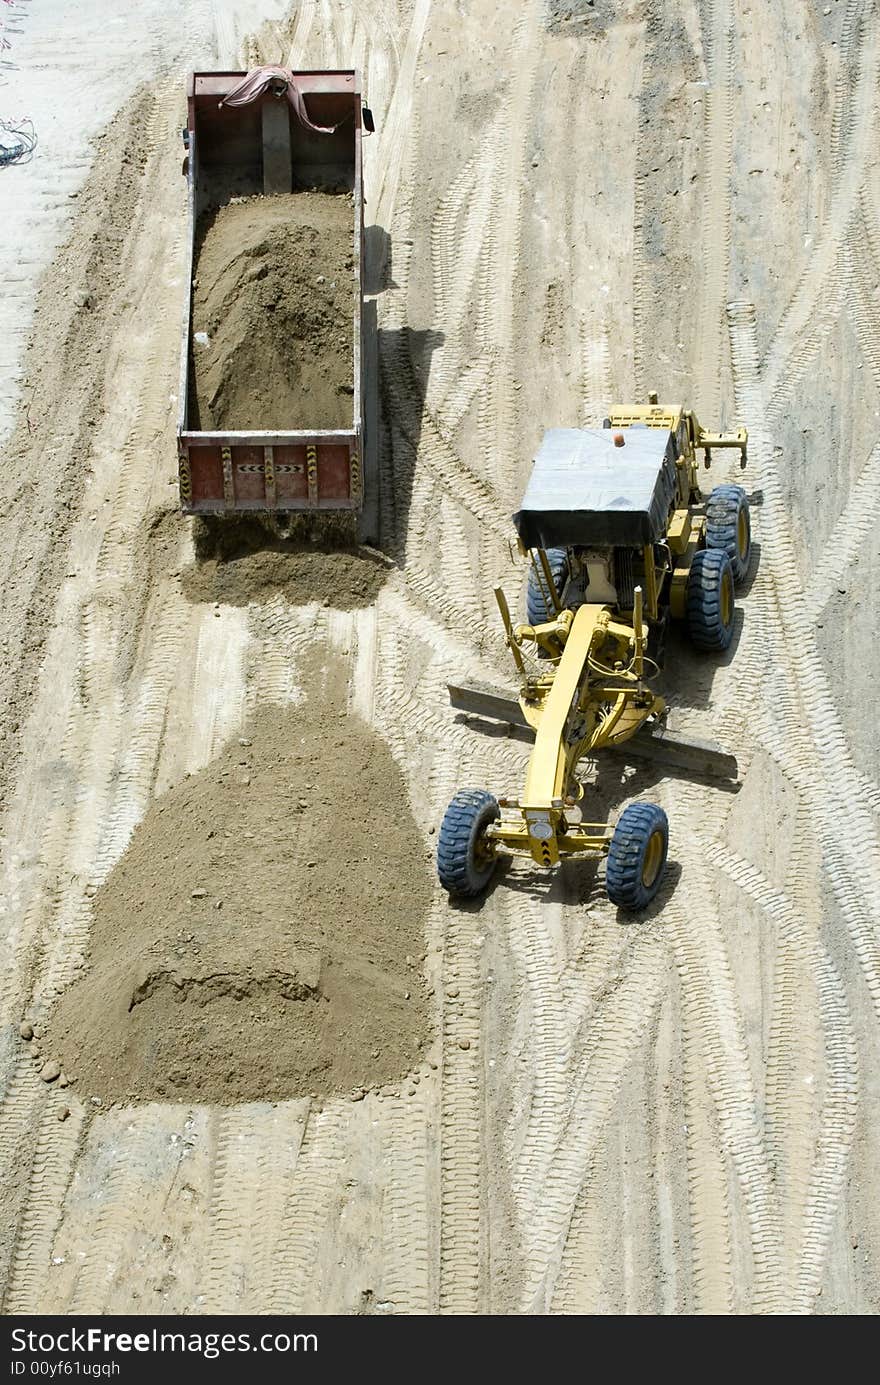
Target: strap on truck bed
{"points": [[252, 87]]}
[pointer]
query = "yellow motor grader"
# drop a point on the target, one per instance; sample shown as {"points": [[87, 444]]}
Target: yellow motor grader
{"points": [[620, 541]]}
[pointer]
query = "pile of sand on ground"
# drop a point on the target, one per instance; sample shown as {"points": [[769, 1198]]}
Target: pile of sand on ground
{"points": [[274, 292], [242, 558], [250, 562], [343, 580], [263, 935]]}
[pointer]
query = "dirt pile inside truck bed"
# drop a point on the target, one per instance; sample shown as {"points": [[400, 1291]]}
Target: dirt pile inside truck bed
{"points": [[262, 937], [273, 313]]}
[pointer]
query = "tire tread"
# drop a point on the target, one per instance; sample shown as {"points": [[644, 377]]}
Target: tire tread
{"points": [[623, 873], [705, 625], [469, 811], [537, 611], [722, 516]]}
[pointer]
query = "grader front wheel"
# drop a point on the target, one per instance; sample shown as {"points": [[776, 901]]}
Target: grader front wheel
{"points": [[466, 857], [637, 856]]}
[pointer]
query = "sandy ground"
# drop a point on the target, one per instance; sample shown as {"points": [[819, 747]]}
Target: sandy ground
{"points": [[673, 1115]]}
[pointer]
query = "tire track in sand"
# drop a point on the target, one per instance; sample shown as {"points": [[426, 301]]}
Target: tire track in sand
{"points": [[861, 267], [815, 1170], [597, 390], [315, 1184], [410, 1249], [711, 341], [253, 1171], [716, 1056], [799, 727], [117, 1209], [804, 712], [398, 118], [502, 165], [54, 1155], [496, 179], [853, 131], [571, 1109]]}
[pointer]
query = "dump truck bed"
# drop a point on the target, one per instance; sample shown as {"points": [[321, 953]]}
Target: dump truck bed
{"points": [[253, 151]]}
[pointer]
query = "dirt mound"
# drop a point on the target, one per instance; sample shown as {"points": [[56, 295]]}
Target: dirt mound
{"points": [[261, 937], [273, 314], [344, 580], [242, 559]]}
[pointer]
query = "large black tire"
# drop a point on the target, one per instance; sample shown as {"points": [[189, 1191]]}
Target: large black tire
{"points": [[710, 602], [637, 856], [465, 860], [539, 602], [729, 527]]}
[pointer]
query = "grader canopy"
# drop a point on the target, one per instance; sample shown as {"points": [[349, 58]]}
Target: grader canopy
{"points": [[598, 487]]}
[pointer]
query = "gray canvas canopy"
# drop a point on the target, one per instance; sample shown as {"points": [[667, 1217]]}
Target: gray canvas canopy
{"points": [[584, 491]]}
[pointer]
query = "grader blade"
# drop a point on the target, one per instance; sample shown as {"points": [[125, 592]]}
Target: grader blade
{"points": [[654, 743], [698, 757], [482, 701]]}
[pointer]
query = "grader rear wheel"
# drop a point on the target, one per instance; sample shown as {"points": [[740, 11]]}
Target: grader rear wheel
{"points": [[710, 601], [540, 605], [729, 527]]}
